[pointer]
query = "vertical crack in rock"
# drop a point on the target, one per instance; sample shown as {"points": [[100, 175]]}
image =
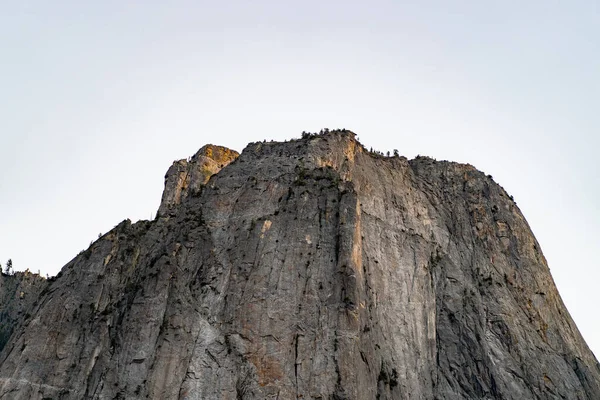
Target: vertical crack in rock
{"points": [[296, 362]]}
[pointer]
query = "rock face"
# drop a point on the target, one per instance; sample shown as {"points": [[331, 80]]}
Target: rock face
{"points": [[18, 293], [310, 269], [186, 178]]}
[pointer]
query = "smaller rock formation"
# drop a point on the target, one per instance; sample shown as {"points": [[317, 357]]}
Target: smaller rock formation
{"points": [[186, 177], [18, 292]]}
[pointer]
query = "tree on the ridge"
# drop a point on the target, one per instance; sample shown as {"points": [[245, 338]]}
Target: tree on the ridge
{"points": [[8, 269]]}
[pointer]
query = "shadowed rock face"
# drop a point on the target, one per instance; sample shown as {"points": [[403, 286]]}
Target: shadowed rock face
{"points": [[309, 269], [18, 292]]}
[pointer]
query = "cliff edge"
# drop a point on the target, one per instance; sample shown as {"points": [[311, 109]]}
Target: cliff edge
{"points": [[308, 269]]}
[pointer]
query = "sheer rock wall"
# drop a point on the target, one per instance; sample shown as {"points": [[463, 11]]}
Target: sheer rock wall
{"points": [[309, 269]]}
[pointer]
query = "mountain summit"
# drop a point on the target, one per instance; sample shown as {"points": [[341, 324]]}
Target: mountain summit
{"points": [[310, 269]]}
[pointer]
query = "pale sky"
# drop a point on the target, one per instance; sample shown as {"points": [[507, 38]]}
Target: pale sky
{"points": [[98, 98]]}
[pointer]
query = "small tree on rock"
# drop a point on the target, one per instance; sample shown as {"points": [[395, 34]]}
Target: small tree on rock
{"points": [[8, 268]]}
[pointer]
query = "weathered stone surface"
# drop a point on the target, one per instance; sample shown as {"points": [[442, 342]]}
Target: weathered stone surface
{"points": [[186, 177], [308, 269], [18, 292]]}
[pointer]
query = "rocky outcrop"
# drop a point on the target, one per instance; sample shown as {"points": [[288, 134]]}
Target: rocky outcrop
{"points": [[18, 293], [308, 269], [186, 177]]}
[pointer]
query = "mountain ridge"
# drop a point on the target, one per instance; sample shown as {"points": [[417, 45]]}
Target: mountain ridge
{"points": [[311, 268]]}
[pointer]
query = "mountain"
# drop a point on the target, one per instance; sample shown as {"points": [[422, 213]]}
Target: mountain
{"points": [[310, 269]]}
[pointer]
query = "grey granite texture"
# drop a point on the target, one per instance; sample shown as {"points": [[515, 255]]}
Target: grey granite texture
{"points": [[310, 269]]}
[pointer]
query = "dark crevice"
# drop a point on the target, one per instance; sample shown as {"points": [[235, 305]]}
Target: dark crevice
{"points": [[296, 362]]}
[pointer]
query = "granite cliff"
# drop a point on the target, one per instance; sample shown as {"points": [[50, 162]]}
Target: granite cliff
{"points": [[310, 269], [18, 292]]}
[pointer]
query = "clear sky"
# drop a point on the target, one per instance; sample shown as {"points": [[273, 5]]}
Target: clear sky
{"points": [[98, 98]]}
